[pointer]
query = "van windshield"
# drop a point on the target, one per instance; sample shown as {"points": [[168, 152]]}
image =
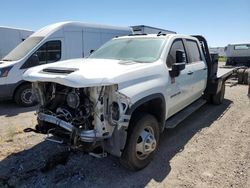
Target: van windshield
{"points": [[145, 50], [22, 49]]}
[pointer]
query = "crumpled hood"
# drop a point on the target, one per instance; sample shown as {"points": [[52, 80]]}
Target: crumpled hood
{"points": [[89, 72]]}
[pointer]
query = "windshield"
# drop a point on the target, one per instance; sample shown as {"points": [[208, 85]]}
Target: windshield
{"points": [[133, 49], [22, 49]]}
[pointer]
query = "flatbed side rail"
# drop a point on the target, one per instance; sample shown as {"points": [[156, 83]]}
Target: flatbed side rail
{"points": [[225, 73]]}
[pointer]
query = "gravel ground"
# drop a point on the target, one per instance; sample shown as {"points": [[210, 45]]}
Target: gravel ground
{"points": [[211, 148]]}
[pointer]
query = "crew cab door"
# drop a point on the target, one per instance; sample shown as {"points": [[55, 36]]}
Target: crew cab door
{"points": [[179, 87], [198, 67]]}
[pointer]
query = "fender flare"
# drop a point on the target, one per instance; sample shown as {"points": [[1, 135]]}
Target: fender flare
{"points": [[147, 99]]}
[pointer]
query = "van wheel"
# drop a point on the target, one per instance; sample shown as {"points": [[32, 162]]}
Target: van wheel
{"points": [[23, 96], [219, 97], [142, 141]]}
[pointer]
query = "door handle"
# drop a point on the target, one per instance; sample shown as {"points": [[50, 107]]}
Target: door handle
{"points": [[190, 73], [204, 68]]}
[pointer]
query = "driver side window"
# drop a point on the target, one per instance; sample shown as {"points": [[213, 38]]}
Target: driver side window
{"points": [[48, 53], [177, 45]]}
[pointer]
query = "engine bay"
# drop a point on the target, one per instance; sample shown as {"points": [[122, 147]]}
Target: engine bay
{"points": [[69, 104], [80, 115]]}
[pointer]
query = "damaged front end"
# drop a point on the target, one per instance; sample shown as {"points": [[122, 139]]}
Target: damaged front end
{"points": [[83, 117]]}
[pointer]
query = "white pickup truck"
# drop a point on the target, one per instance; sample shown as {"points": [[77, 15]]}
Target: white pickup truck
{"points": [[123, 96]]}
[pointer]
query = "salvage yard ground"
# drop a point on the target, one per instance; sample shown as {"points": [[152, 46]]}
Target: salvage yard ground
{"points": [[211, 148]]}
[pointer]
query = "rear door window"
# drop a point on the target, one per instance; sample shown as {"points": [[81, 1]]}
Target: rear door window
{"points": [[194, 51]]}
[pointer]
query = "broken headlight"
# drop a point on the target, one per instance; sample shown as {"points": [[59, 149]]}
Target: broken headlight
{"points": [[73, 100]]}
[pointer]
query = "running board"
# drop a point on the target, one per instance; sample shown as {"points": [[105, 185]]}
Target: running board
{"points": [[173, 121]]}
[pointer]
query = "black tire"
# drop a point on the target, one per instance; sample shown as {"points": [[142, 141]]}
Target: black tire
{"points": [[219, 97], [240, 74], [23, 96], [245, 76], [132, 158]]}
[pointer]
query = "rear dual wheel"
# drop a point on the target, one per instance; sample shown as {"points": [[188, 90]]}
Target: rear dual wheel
{"points": [[219, 97], [240, 74]]}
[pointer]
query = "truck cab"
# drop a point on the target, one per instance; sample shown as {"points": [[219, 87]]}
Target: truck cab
{"points": [[126, 93]]}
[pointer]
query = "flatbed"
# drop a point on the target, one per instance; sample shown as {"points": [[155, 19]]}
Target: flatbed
{"points": [[225, 72]]}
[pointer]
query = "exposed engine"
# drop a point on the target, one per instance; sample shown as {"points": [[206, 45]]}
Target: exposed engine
{"points": [[69, 104]]}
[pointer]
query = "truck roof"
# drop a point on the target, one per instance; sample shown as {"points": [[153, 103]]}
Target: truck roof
{"points": [[57, 26], [167, 36], [139, 27]]}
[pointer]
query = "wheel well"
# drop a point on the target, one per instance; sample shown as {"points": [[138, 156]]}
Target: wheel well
{"points": [[155, 107], [20, 85]]}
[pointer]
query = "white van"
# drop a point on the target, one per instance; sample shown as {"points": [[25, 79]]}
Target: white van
{"points": [[60, 41], [10, 38]]}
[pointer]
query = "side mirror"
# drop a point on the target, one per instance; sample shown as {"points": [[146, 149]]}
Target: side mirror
{"points": [[176, 69], [180, 56], [178, 66], [34, 59], [180, 63], [91, 51]]}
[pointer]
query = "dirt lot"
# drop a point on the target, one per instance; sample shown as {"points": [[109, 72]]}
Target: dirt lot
{"points": [[209, 149]]}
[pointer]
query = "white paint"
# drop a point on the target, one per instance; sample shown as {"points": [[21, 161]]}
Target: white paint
{"points": [[134, 80]]}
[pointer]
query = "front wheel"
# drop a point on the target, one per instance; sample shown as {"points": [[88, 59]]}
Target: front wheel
{"points": [[142, 141], [24, 97]]}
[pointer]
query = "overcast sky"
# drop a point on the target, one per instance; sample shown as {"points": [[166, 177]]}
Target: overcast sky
{"points": [[220, 21]]}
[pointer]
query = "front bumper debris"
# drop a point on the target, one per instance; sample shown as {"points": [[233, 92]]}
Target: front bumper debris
{"points": [[84, 135]]}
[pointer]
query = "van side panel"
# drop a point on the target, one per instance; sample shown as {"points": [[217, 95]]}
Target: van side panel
{"points": [[107, 34], [91, 40], [94, 38], [10, 38], [73, 44]]}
